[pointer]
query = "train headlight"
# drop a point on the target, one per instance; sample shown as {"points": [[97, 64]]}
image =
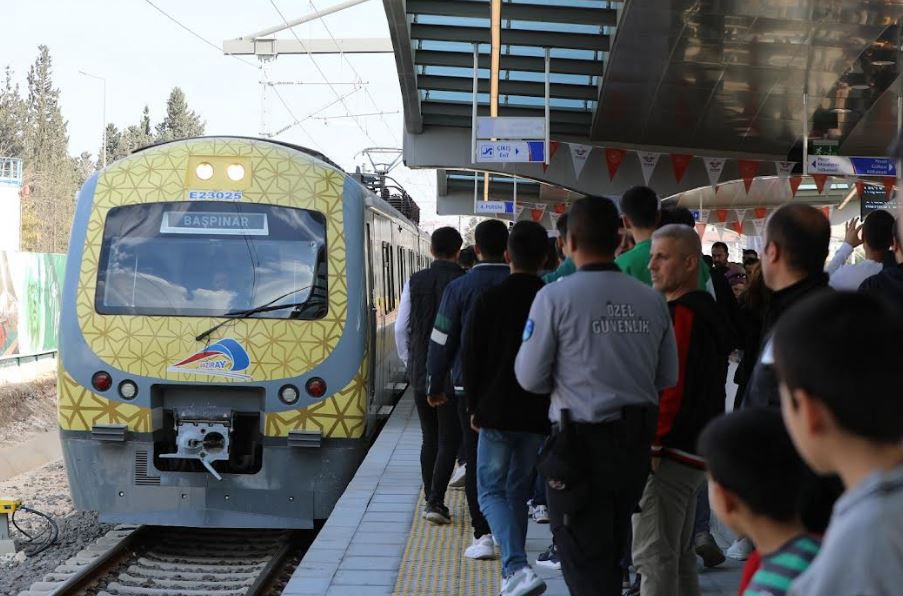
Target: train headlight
{"points": [[128, 390], [204, 171], [235, 172], [288, 394], [316, 387], [102, 380]]}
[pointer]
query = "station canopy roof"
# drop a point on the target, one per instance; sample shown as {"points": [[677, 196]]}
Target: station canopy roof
{"points": [[716, 78]]}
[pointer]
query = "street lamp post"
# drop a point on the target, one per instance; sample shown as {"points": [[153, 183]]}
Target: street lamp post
{"points": [[103, 150]]}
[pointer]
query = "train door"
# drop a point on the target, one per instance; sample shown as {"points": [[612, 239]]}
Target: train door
{"points": [[372, 314]]}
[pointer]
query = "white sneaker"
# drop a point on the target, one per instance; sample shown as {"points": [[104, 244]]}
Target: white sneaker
{"points": [[458, 477], [740, 549], [481, 548], [524, 582], [540, 514]]}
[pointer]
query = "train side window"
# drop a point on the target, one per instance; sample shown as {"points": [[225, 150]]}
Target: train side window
{"points": [[386, 286], [391, 296]]}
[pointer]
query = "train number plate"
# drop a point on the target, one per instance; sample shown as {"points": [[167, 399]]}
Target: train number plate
{"points": [[214, 195]]}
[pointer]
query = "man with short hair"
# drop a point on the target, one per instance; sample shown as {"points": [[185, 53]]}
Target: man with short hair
{"points": [[512, 423], [439, 426], [444, 355], [640, 208], [796, 246], [567, 264], [877, 238], [663, 531], [888, 284], [604, 360], [720, 256]]}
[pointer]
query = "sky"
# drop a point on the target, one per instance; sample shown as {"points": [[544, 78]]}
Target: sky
{"points": [[142, 54]]}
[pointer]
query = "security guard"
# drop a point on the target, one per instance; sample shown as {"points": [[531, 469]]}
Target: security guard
{"points": [[602, 343]]}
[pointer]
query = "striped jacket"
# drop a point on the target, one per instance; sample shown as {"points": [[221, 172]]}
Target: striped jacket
{"points": [[451, 320]]}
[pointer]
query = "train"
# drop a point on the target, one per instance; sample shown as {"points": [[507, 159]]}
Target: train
{"points": [[227, 351]]}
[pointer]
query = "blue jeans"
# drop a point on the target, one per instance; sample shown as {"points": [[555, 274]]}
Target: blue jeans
{"points": [[505, 462]]}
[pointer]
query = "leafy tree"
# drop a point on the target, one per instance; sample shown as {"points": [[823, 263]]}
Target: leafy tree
{"points": [[469, 231], [83, 166], [12, 118], [180, 122], [49, 184]]}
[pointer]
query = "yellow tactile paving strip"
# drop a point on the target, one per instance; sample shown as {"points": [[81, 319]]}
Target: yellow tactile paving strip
{"points": [[434, 563]]}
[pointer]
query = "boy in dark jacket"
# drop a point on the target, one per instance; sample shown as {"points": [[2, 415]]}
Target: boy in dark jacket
{"points": [[663, 531], [512, 422]]}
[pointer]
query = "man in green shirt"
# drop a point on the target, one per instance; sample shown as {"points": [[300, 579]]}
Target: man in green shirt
{"points": [[567, 265], [639, 206]]}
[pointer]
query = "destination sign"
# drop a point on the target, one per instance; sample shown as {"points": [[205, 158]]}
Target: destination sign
{"points": [[208, 222]]}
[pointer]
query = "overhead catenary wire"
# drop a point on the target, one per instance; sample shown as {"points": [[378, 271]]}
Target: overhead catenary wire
{"points": [[322, 73]]}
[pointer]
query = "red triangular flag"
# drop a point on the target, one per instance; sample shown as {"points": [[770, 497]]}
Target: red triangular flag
{"points": [[553, 147], [700, 229], [860, 188], [827, 211], [737, 226], [536, 214], [760, 212], [748, 169], [889, 187], [680, 161], [614, 157], [795, 182], [721, 215], [820, 180], [560, 208]]}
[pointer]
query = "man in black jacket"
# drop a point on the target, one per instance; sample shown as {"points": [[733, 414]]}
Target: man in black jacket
{"points": [[512, 422], [439, 425], [889, 283], [663, 549]]}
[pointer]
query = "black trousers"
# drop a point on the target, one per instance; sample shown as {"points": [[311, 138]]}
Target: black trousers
{"points": [[590, 531], [441, 430], [469, 441]]}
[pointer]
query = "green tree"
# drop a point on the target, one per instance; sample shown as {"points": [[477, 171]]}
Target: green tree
{"points": [[470, 229], [113, 149], [49, 185], [12, 118], [180, 122], [83, 166]]}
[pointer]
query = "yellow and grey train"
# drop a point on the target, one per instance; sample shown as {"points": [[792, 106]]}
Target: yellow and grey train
{"points": [[226, 344]]}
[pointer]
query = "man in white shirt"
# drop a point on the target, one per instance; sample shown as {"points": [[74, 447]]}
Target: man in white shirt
{"points": [[877, 237]]}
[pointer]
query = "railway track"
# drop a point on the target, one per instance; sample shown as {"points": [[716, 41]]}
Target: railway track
{"points": [[159, 561]]}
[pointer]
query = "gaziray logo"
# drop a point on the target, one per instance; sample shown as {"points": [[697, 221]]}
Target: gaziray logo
{"points": [[225, 358]]}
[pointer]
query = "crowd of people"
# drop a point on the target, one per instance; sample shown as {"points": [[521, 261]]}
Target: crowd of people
{"points": [[581, 380]]}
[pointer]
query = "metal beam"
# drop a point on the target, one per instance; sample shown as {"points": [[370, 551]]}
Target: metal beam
{"points": [[508, 87], [448, 108], [516, 12], [517, 37], [274, 47], [509, 62], [400, 34]]}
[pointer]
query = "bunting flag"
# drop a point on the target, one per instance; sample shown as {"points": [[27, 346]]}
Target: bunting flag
{"points": [[537, 212], [741, 214], [579, 155], [748, 169], [680, 162], [860, 188], [554, 217], [827, 211], [703, 216], [721, 215], [820, 180], [518, 211], [714, 167], [889, 187], [700, 229], [553, 148], [614, 158], [719, 229], [559, 208], [737, 226], [760, 212], [795, 182], [759, 224], [784, 168], [648, 161]]}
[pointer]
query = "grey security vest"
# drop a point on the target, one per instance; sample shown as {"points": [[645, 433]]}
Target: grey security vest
{"points": [[598, 340]]}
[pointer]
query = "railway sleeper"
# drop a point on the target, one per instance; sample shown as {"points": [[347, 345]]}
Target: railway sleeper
{"points": [[224, 580], [117, 589], [155, 574], [167, 566]]}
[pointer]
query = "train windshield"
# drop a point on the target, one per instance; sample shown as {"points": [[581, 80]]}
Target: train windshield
{"points": [[212, 259]]}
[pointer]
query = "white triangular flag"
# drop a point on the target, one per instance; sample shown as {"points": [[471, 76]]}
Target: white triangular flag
{"points": [[719, 229], [579, 155], [648, 161], [784, 168], [714, 167], [759, 224], [519, 210], [703, 216], [741, 214]]}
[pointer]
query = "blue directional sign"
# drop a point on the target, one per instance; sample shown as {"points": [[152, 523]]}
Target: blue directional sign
{"points": [[510, 151]]}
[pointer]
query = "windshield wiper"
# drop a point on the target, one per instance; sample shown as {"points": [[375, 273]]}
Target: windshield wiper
{"points": [[244, 314]]}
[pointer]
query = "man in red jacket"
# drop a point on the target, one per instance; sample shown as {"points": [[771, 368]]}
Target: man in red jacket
{"points": [[663, 531]]}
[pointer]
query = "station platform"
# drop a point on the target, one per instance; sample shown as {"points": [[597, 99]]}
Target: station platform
{"points": [[376, 543]]}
